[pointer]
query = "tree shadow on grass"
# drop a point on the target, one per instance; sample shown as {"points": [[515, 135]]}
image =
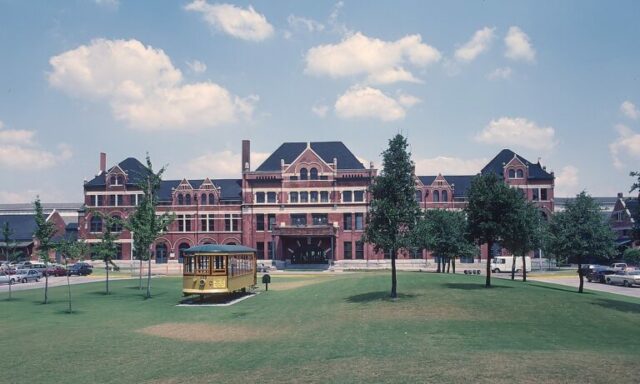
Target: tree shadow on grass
{"points": [[471, 286], [622, 306], [66, 312], [376, 296], [561, 289]]}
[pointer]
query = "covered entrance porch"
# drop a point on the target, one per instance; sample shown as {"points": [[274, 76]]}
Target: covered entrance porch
{"points": [[306, 244]]}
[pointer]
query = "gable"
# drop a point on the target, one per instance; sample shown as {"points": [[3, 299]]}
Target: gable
{"points": [[327, 151], [308, 159]]}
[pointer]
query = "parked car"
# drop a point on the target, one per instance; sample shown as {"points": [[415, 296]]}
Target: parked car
{"points": [[80, 269], [6, 278], [626, 278], [599, 274], [619, 266], [26, 275], [55, 270]]}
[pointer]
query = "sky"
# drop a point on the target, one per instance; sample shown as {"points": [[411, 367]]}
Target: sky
{"points": [[186, 81]]}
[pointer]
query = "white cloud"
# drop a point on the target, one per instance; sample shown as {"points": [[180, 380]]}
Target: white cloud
{"points": [[143, 87], [243, 23], [19, 151], [449, 165], [197, 66], [566, 183], [218, 165], [517, 132], [626, 145], [518, 46], [320, 110], [500, 73], [367, 102], [380, 61], [630, 110], [309, 25], [407, 100], [479, 43]]}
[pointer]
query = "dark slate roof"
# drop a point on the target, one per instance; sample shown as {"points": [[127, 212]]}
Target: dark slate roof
{"points": [[23, 226], [230, 189], [327, 150], [134, 169], [461, 183], [536, 172], [218, 248], [632, 205]]}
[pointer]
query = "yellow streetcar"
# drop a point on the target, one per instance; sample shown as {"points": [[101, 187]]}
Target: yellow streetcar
{"points": [[213, 269]]}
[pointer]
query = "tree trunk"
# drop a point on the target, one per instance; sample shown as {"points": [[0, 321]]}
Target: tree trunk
{"points": [[148, 296], [438, 260], [487, 283], [394, 282], [106, 266], [524, 267], [10, 288], [448, 264], [580, 287], [453, 265], [46, 288], [140, 279], [513, 268], [66, 266]]}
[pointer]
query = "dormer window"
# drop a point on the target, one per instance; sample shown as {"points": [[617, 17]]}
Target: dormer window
{"points": [[512, 173], [313, 174], [304, 174], [436, 196], [116, 180], [187, 200], [212, 199], [180, 199], [519, 174], [445, 196]]}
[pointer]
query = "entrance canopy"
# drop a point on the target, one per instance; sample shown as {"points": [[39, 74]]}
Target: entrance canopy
{"points": [[305, 231], [219, 248]]}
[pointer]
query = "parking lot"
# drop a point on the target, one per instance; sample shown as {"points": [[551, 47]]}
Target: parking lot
{"points": [[573, 281], [54, 281]]}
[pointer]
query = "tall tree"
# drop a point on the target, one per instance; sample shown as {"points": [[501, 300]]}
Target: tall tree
{"points": [[635, 213], [394, 210], [579, 233], [72, 250], [106, 249], [9, 249], [445, 234], [143, 222], [491, 209], [45, 230]]}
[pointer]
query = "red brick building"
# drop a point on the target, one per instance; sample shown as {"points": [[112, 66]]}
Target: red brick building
{"points": [[305, 204]]}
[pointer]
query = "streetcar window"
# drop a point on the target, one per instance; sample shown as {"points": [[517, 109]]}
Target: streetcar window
{"points": [[188, 264], [202, 264]]}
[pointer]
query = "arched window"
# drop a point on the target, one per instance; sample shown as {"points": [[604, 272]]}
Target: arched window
{"points": [[120, 180], [112, 180], [419, 196], [181, 249], [231, 243], [116, 226], [187, 199], [436, 196], [203, 199], [303, 174], [512, 173], [519, 174], [180, 200], [445, 196], [96, 224], [161, 253], [212, 199], [313, 174]]}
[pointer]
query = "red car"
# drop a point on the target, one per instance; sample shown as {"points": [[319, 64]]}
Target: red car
{"points": [[55, 270]]}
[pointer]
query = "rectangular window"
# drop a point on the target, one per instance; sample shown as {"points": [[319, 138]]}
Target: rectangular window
{"points": [[536, 194], [298, 219], [347, 223], [227, 222], [203, 223], [271, 251], [211, 221], [259, 197], [112, 200], [359, 250], [94, 200], [293, 197], [324, 197], [271, 197], [260, 222], [304, 197], [100, 201], [347, 196], [272, 221], [359, 221], [118, 255], [313, 196], [543, 194], [358, 196], [319, 219], [260, 250], [347, 250], [187, 223], [120, 200], [184, 223]]}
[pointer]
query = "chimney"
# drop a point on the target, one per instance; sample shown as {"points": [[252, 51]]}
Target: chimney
{"points": [[246, 155], [103, 162], [619, 195]]}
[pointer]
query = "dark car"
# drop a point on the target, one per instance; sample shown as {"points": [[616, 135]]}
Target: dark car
{"points": [[599, 274], [80, 270]]}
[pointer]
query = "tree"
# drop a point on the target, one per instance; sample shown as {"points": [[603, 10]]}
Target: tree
{"points": [[107, 248], [45, 230], [445, 234], [492, 207], [632, 255], [9, 249], [394, 210], [635, 213], [143, 222], [74, 250], [578, 233]]}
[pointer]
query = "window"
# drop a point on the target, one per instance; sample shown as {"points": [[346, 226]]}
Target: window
{"points": [[319, 219], [304, 197], [519, 174], [120, 200], [260, 250], [347, 250], [181, 249], [536, 194], [113, 180], [324, 197], [260, 197], [96, 224], [180, 199], [184, 223], [272, 221], [436, 196], [212, 199], [207, 223], [313, 174], [260, 222], [293, 197], [112, 200], [118, 255], [313, 196], [359, 221], [133, 200], [303, 174], [512, 173], [271, 197], [271, 250], [347, 196], [418, 196], [116, 226], [161, 254], [358, 196], [298, 219], [619, 216], [445, 196], [203, 199], [543, 194], [187, 200], [100, 201], [347, 224], [231, 222], [359, 250]]}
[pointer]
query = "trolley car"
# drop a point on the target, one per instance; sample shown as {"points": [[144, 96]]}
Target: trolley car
{"points": [[214, 269]]}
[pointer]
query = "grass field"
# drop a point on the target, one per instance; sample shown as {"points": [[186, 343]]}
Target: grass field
{"points": [[342, 329]]}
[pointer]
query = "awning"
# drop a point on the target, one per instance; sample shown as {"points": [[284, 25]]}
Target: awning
{"points": [[305, 231]]}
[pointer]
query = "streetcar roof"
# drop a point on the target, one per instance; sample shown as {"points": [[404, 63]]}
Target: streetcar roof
{"points": [[219, 248]]}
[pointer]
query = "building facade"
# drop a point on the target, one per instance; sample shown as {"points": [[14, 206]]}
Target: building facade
{"points": [[305, 204]]}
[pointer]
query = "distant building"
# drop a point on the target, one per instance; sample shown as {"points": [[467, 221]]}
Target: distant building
{"points": [[23, 227], [622, 221]]}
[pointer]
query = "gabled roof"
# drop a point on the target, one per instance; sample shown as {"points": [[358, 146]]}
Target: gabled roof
{"points": [[23, 226], [230, 189], [496, 165], [327, 150], [460, 183], [134, 169]]}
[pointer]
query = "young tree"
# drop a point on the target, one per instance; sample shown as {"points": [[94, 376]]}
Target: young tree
{"points": [[143, 222], [45, 230], [394, 210], [72, 250], [107, 248], [445, 234], [578, 232], [492, 208], [632, 255], [9, 249]]}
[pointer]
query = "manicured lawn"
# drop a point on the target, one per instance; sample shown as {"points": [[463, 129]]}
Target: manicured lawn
{"points": [[340, 328]]}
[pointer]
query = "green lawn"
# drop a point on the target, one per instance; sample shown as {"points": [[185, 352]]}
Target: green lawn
{"points": [[444, 328]]}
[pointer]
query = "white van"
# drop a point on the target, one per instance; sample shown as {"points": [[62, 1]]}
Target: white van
{"points": [[504, 263]]}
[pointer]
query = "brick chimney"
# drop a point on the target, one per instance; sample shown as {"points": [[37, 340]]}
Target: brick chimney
{"points": [[246, 155], [103, 162]]}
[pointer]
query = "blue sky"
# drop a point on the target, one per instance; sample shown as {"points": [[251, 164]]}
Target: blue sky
{"points": [[188, 80]]}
